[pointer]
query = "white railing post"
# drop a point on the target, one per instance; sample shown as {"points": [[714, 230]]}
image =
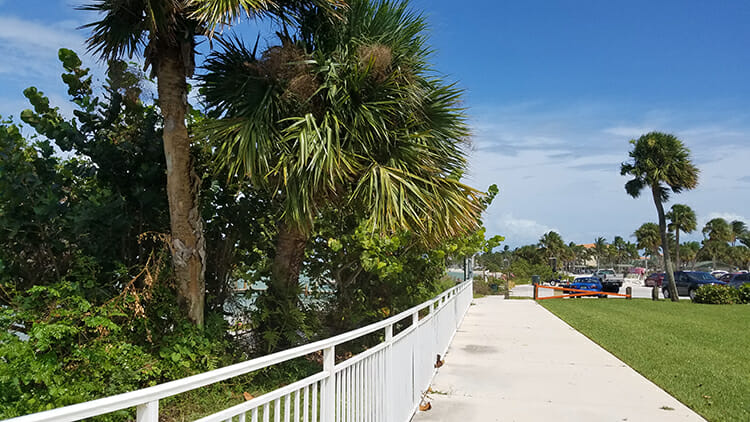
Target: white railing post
{"points": [[390, 408], [148, 412], [328, 398], [414, 359]]}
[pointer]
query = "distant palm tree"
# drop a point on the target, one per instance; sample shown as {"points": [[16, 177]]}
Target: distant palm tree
{"points": [[717, 233], [619, 246], [682, 219], [662, 163], [600, 249], [738, 230], [164, 32], [648, 238], [717, 229], [552, 246], [689, 251]]}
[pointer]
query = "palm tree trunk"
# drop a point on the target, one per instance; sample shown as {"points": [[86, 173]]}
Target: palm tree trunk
{"points": [[290, 252], [669, 271], [677, 252], [188, 244]]}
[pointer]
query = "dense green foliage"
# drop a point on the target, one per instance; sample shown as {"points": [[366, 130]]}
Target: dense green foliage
{"points": [[692, 351], [88, 296], [88, 307], [715, 294]]}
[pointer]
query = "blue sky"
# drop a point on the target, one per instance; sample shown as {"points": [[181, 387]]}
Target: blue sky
{"points": [[554, 91]]}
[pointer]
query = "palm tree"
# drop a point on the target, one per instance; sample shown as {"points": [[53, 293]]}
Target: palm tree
{"points": [[619, 248], [552, 246], [648, 238], [682, 218], [662, 163], [164, 32], [348, 114], [738, 230], [689, 250], [717, 229], [717, 232], [600, 249]]}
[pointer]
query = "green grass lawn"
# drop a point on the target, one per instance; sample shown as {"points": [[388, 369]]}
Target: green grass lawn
{"points": [[698, 353]]}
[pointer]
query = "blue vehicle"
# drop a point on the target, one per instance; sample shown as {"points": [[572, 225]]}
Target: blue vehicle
{"points": [[593, 284], [688, 282]]}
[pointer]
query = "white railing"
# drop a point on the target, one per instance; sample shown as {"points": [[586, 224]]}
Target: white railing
{"points": [[382, 384]]}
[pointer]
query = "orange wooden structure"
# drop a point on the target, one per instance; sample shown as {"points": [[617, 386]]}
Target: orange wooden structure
{"points": [[579, 293]]}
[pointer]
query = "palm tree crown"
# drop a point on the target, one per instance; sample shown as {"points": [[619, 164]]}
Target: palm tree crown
{"points": [[350, 112], [660, 162]]}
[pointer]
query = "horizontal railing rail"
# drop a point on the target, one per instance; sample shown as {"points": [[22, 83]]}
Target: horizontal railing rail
{"points": [[382, 384]]}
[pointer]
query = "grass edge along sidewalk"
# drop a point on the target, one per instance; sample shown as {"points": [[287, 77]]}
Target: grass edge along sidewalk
{"points": [[700, 354]]}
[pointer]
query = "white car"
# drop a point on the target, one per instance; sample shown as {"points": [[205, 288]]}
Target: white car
{"points": [[718, 273]]}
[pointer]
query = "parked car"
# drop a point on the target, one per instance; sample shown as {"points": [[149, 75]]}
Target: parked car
{"points": [[654, 279], [718, 273], [739, 279], [593, 284], [689, 281], [609, 279], [727, 277]]}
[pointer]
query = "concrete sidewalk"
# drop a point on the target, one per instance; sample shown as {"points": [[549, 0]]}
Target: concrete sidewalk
{"points": [[512, 360]]}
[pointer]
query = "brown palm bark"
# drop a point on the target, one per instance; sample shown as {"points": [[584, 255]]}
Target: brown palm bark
{"points": [[187, 241], [290, 252], [668, 270], [677, 252]]}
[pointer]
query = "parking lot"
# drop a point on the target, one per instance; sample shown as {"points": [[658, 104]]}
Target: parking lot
{"points": [[639, 291]]}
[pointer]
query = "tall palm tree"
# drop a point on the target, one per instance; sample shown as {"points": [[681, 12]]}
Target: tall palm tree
{"points": [[164, 32], [681, 219], [661, 162], [600, 249], [648, 238], [348, 114]]}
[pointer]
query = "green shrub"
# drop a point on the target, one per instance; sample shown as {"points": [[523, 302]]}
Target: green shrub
{"points": [[481, 288], [744, 293], [484, 288], [717, 295]]}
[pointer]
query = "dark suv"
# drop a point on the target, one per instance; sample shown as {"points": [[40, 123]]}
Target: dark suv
{"points": [[689, 281], [738, 280]]}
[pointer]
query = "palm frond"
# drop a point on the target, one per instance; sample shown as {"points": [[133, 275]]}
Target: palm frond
{"points": [[218, 13], [121, 31]]}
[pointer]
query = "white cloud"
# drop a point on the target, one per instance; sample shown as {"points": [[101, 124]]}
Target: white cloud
{"points": [[33, 38], [630, 132], [29, 58], [529, 231]]}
